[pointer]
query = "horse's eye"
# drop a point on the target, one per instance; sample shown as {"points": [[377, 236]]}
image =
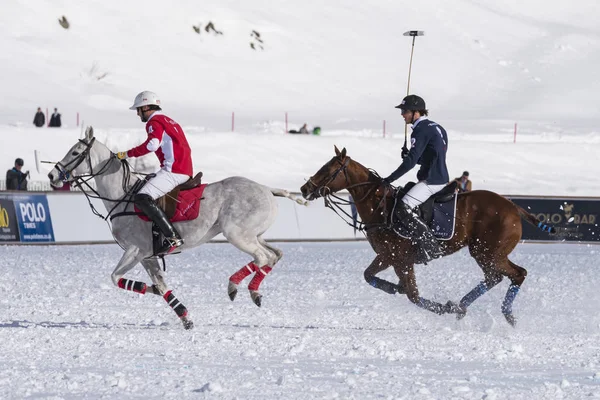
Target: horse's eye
{"points": [[74, 153]]}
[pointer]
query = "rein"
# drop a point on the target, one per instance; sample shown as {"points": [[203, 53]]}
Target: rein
{"points": [[65, 172], [337, 205]]}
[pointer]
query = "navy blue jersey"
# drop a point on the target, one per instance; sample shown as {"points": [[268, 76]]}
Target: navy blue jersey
{"points": [[429, 143]]}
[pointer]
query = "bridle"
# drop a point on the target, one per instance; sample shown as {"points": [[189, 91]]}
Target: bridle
{"points": [[336, 204], [321, 189], [66, 171]]}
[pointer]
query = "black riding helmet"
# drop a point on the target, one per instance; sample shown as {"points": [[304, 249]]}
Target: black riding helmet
{"points": [[19, 162], [412, 102]]}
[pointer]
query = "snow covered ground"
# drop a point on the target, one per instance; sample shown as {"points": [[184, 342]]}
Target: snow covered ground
{"points": [[322, 333], [66, 332]]}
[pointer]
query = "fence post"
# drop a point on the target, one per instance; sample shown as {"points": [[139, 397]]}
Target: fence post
{"points": [[515, 136], [77, 118], [384, 128], [47, 120], [286, 123]]}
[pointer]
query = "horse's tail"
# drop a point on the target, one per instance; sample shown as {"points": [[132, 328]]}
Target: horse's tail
{"points": [[527, 216], [285, 193]]}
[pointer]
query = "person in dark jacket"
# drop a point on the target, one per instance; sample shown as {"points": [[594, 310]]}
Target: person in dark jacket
{"points": [[429, 143], [15, 178], [55, 120], [39, 120]]}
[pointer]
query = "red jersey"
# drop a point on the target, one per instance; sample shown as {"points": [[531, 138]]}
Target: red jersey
{"points": [[167, 140]]}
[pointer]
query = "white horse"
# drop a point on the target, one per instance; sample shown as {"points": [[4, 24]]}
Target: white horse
{"points": [[240, 209]]}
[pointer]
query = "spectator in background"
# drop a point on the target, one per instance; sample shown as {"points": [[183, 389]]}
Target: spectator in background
{"points": [[464, 184], [15, 178], [303, 130], [55, 119], [39, 120]]}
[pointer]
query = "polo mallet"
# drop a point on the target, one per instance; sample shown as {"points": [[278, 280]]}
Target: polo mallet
{"points": [[414, 35], [38, 162]]}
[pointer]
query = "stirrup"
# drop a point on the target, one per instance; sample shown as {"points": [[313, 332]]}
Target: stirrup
{"points": [[432, 254], [170, 244]]}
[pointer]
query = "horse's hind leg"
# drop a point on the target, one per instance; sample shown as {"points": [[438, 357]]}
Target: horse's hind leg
{"points": [[264, 260], [160, 288], [494, 269], [491, 279], [275, 250], [516, 275]]}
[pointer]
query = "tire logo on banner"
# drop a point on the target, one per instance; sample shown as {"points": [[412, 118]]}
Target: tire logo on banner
{"points": [[34, 218]]}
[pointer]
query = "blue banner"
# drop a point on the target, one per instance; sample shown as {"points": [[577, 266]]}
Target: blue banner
{"points": [[575, 219], [33, 215]]}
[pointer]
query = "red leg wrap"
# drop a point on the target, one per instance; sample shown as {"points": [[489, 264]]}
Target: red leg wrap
{"points": [[134, 286], [243, 273], [179, 308], [258, 277]]}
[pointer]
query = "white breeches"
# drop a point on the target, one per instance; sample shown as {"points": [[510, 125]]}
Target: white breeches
{"points": [[163, 183], [419, 193]]}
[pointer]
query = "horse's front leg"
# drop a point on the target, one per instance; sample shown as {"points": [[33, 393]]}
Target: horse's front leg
{"points": [[129, 259], [409, 283], [159, 287], [376, 266]]}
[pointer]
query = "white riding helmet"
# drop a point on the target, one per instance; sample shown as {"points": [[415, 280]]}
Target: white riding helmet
{"points": [[145, 98]]}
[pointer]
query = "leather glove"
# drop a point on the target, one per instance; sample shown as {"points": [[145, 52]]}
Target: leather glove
{"points": [[404, 152], [386, 181], [121, 155]]}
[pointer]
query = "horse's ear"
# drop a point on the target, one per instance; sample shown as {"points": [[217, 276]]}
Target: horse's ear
{"points": [[89, 133], [343, 153], [337, 151]]}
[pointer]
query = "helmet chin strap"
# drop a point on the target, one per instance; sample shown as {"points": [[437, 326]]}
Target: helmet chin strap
{"points": [[412, 117]]}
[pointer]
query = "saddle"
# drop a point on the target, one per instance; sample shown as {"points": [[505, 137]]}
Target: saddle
{"points": [[168, 202], [425, 210]]}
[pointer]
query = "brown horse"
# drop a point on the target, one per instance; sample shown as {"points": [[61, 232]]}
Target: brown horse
{"points": [[489, 224]]}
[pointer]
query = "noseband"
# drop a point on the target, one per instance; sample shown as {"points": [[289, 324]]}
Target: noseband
{"points": [[65, 171]]}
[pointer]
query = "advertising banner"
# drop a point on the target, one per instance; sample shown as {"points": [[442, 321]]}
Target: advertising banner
{"points": [[33, 215], [9, 226], [575, 220]]}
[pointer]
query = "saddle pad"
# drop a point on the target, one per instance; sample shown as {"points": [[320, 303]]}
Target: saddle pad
{"points": [[443, 219], [188, 205], [442, 224]]}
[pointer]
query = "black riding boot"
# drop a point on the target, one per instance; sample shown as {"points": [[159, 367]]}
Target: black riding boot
{"points": [[420, 232], [158, 216]]}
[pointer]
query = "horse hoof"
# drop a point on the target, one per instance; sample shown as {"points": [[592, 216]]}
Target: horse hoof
{"points": [[511, 320], [187, 323], [256, 297], [232, 290], [453, 308]]}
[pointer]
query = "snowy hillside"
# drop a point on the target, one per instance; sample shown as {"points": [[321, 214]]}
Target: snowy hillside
{"points": [[336, 65], [481, 66]]}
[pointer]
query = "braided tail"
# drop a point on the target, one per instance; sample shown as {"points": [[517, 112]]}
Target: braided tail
{"points": [[534, 221]]}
